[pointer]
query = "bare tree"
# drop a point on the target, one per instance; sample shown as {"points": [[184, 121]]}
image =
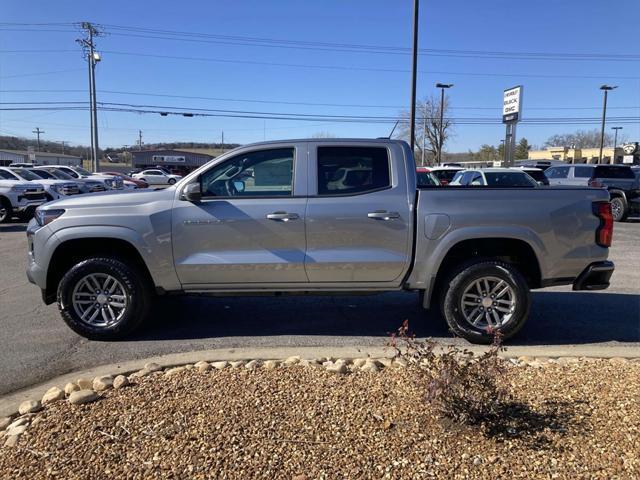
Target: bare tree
{"points": [[581, 139], [427, 132]]}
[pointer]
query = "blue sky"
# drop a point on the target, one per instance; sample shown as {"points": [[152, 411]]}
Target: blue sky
{"points": [[562, 87]]}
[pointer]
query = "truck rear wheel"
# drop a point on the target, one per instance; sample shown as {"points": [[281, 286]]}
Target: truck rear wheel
{"points": [[103, 298], [484, 297]]}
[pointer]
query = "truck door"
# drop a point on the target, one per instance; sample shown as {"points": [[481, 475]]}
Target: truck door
{"points": [[359, 219], [249, 226]]}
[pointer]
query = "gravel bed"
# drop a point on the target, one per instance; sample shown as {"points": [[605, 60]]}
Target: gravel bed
{"points": [[304, 422]]}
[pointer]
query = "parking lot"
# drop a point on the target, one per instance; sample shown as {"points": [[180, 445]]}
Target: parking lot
{"points": [[37, 345]]}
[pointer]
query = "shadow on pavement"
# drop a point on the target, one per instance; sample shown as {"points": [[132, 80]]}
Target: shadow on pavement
{"points": [[13, 227], [556, 317]]}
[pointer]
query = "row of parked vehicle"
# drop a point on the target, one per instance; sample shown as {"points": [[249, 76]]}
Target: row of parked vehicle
{"points": [[622, 181], [25, 186]]}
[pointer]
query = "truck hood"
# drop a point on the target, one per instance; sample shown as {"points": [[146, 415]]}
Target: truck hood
{"points": [[113, 198]]}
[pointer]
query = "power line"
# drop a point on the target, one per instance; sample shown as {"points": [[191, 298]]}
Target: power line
{"points": [[40, 73]]}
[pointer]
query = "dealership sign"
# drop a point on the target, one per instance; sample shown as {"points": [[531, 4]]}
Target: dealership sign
{"points": [[512, 105]]}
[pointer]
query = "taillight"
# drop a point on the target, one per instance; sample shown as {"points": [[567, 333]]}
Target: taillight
{"points": [[595, 183], [604, 232]]}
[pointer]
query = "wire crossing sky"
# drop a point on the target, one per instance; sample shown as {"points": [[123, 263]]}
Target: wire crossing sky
{"points": [[267, 70]]}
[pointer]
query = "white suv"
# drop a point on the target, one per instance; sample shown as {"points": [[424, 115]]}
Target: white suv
{"points": [[54, 189], [18, 196], [110, 182]]}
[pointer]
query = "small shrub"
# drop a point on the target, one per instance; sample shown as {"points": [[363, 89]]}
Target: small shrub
{"points": [[458, 386]]}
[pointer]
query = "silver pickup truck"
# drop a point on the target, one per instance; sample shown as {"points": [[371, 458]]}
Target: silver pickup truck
{"points": [[311, 216]]}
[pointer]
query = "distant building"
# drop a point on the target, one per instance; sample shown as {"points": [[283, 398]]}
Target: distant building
{"points": [[179, 160], [587, 155], [7, 157]]}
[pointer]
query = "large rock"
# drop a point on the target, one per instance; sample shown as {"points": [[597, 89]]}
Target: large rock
{"points": [[19, 430], [340, 366], [83, 396], [12, 441], [29, 406], [69, 388], [237, 363], [84, 383], [173, 371], [359, 362], [370, 366], [120, 381], [271, 364], [18, 422], [103, 383], [253, 364], [52, 395], [220, 365], [202, 366], [292, 360], [152, 367]]}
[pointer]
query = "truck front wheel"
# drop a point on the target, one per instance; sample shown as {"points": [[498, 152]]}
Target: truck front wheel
{"points": [[103, 298], [6, 212], [484, 297]]}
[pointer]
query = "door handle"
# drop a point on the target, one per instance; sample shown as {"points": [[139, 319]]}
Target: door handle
{"points": [[282, 216], [383, 215]]}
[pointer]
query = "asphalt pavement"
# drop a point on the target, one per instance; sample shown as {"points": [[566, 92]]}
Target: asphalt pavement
{"points": [[36, 344]]}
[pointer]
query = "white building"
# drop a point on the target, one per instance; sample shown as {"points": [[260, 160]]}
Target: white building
{"points": [[7, 157]]}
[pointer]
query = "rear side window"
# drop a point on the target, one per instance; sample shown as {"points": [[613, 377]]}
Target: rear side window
{"points": [[583, 172], [352, 170], [509, 179], [613, 172], [537, 175]]}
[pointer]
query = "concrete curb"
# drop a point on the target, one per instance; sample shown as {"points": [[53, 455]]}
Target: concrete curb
{"points": [[9, 402]]}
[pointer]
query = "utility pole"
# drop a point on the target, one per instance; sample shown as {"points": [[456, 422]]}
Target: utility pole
{"points": [[442, 87], [615, 142], [63, 142], [222, 142], [139, 139], [414, 71], [606, 89], [93, 57], [37, 131]]}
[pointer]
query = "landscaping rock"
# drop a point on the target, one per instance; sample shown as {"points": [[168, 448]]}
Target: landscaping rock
{"points": [[103, 383], [370, 366], [253, 364], [29, 406], [69, 388], [337, 367], [359, 362], [83, 396], [202, 366], [152, 367], [220, 365], [292, 361], [19, 430], [271, 364], [173, 371], [84, 384], [399, 362], [384, 362], [17, 423], [237, 363], [120, 381], [52, 395], [618, 361], [12, 441]]}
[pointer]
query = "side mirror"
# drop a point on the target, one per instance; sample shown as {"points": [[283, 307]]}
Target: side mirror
{"points": [[238, 185], [192, 192]]}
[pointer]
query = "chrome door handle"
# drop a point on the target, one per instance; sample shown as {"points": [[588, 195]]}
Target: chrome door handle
{"points": [[282, 216], [383, 215]]}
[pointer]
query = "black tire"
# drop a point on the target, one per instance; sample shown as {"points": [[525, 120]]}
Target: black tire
{"points": [[172, 181], [134, 282], [619, 209], [6, 211], [465, 276]]}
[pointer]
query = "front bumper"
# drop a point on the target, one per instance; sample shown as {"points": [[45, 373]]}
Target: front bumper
{"points": [[595, 277]]}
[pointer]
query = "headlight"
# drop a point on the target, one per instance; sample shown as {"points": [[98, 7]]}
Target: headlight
{"points": [[45, 217]]}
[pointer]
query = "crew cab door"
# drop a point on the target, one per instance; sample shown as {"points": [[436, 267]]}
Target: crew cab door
{"points": [[248, 227], [359, 219]]}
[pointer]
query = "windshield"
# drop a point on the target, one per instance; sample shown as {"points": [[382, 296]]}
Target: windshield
{"points": [[60, 174], [82, 171], [509, 179], [26, 174], [426, 179], [7, 175], [43, 174]]}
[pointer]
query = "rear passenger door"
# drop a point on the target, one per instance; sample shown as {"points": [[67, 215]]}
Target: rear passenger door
{"points": [[358, 219]]}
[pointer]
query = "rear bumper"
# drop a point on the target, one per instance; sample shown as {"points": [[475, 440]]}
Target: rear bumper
{"points": [[595, 277]]}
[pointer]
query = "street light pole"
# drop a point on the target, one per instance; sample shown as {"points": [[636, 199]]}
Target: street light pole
{"points": [[442, 87], [615, 140], [606, 89], [412, 119]]}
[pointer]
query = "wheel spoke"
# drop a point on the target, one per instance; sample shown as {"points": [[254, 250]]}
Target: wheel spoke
{"points": [[501, 293], [496, 287], [497, 318]]}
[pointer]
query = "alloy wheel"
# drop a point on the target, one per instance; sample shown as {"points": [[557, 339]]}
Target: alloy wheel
{"points": [[100, 300], [488, 303]]}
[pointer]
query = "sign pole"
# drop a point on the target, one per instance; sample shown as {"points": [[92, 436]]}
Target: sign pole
{"points": [[511, 114]]}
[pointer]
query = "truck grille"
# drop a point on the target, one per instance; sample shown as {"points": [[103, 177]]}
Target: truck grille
{"points": [[97, 188], [32, 194], [69, 190]]}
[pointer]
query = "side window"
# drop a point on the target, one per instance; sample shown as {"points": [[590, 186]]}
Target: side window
{"points": [[254, 174], [582, 172], [557, 172], [70, 172], [466, 178], [476, 179], [352, 170]]}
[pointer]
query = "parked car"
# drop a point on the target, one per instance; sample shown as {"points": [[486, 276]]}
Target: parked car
{"points": [[54, 189], [84, 184], [18, 197], [444, 174], [425, 178], [23, 165], [262, 218], [110, 182], [537, 174], [156, 176], [129, 182], [494, 177], [619, 180]]}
